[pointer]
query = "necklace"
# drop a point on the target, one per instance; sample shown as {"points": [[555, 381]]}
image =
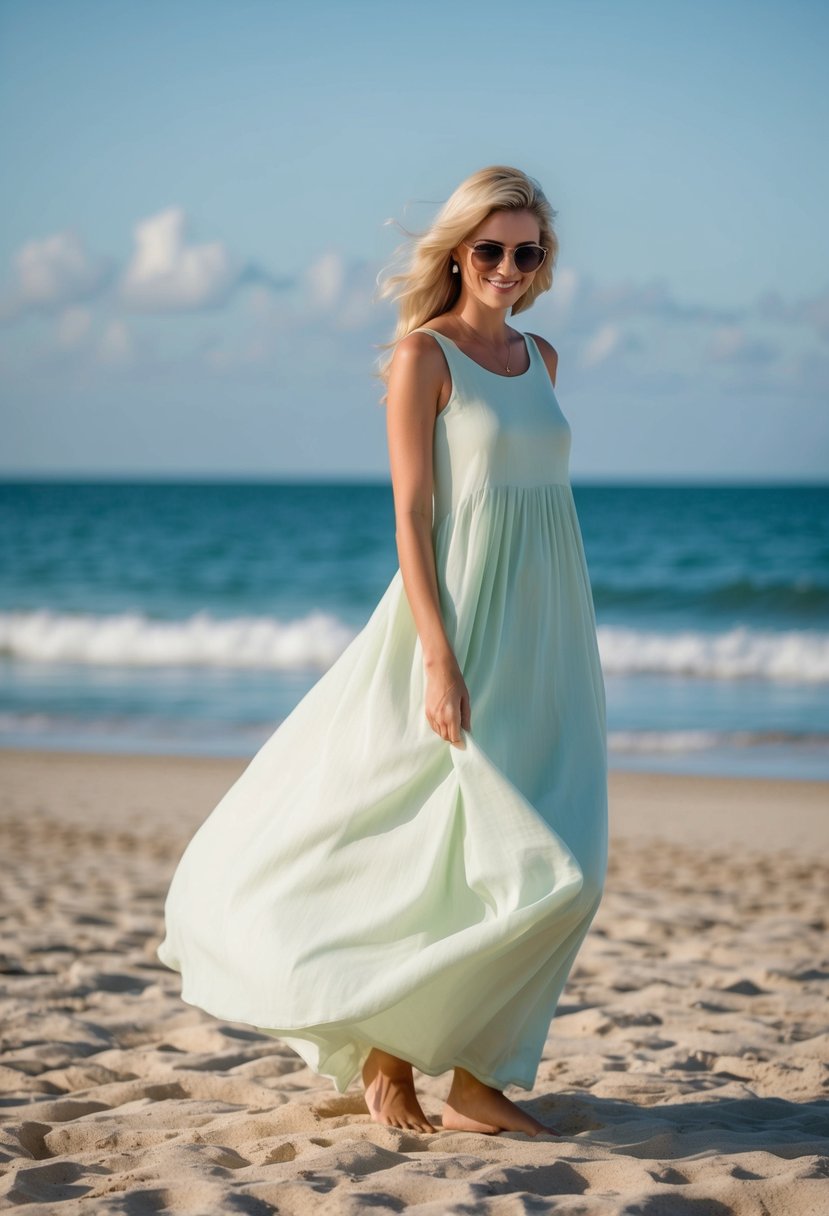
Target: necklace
{"points": [[485, 345]]}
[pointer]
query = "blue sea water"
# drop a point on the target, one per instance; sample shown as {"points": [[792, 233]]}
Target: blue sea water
{"points": [[191, 617]]}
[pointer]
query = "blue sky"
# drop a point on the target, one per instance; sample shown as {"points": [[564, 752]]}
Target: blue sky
{"points": [[196, 204]]}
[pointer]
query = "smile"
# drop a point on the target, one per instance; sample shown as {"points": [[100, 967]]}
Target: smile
{"points": [[503, 286]]}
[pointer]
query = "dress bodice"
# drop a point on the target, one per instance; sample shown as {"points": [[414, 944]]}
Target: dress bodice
{"points": [[496, 430]]}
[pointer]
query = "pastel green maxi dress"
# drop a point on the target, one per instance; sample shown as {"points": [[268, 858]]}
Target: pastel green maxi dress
{"points": [[365, 882]]}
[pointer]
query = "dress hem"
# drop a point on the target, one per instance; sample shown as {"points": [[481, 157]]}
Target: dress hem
{"points": [[479, 1073]]}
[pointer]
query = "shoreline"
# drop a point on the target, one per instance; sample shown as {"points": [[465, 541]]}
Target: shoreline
{"points": [[802, 760], [698, 810]]}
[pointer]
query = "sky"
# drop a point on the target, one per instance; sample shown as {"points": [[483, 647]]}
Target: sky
{"points": [[199, 197]]}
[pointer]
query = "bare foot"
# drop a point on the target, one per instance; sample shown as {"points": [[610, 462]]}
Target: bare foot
{"points": [[474, 1107], [390, 1092]]}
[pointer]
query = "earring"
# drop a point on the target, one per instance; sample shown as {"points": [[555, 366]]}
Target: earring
{"points": [[455, 268]]}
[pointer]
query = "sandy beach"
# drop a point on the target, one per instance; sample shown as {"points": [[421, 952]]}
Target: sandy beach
{"points": [[686, 1066]]}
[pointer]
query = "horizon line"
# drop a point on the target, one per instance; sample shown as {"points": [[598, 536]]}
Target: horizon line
{"points": [[212, 478]]}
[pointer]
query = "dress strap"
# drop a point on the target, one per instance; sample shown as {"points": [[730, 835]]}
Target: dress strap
{"points": [[450, 350], [424, 329]]}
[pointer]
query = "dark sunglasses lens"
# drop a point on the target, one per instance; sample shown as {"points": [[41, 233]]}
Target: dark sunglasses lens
{"points": [[485, 255], [528, 258]]}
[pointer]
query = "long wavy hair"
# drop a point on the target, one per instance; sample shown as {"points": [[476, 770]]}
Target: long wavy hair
{"points": [[426, 287]]}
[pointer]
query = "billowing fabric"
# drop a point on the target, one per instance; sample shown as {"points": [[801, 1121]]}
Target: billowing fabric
{"points": [[365, 882]]}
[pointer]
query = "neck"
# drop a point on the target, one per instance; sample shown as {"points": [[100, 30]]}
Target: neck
{"points": [[489, 324]]}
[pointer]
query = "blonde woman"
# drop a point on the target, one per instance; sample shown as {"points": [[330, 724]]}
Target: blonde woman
{"points": [[403, 875]]}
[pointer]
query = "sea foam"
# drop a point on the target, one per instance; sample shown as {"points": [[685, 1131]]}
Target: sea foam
{"points": [[317, 639], [201, 640]]}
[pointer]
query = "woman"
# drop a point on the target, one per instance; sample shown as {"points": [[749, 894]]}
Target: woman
{"points": [[388, 885]]}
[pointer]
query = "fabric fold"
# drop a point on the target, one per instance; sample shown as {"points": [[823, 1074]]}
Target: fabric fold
{"points": [[491, 892]]}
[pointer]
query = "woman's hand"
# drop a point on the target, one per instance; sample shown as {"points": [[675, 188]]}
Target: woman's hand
{"points": [[447, 702]]}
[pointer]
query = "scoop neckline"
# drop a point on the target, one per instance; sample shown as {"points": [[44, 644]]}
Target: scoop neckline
{"points": [[489, 372]]}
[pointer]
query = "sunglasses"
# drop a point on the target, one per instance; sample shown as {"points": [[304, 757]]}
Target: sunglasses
{"points": [[486, 255]]}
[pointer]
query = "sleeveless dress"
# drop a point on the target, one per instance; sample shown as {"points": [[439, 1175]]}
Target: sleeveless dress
{"points": [[367, 883]]}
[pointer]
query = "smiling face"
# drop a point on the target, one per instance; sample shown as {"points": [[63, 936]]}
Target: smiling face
{"points": [[503, 284]]}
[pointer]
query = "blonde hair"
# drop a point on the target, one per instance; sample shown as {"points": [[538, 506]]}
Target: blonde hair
{"points": [[426, 287]]}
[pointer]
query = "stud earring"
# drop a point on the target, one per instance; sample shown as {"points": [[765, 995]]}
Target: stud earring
{"points": [[455, 268]]}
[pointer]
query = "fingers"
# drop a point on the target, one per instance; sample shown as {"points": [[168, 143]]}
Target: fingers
{"points": [[445, 729], [452, 713], [441, 722], [449, 726]]}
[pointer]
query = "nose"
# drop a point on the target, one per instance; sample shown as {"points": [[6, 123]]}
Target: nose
{"points": [[507, 263]]}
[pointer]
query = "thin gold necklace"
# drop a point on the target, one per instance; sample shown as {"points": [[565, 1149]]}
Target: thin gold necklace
{"points": [[480, 340]]}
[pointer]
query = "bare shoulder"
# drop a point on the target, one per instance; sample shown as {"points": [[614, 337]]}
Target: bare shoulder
{"points": [[419, 354], [549, 354], [418, 372], [416, 345]]}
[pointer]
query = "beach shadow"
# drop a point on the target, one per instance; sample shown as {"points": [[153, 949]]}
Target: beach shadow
{"points": [[674, 1130], [654, 1134]]}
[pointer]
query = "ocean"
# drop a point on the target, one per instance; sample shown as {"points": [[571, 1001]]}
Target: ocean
{"points": [[190, 617]]}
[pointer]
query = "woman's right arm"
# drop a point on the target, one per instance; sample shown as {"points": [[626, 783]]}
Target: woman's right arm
{"points": [[415, 378]]}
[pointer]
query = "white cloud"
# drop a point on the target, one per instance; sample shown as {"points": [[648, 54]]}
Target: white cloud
{"points": [[357, 308], [166, 273], [807, 372], [637, 330], [811, 310], [116, 344], [325, 279], [602, 345], [583, 306], [73, 327], [653, 299], [564, 291], [341, 292], [732, 344], [53, 272], [260, 302]]}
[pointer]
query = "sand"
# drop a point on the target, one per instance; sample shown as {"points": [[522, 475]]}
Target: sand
{"points": [[687, 1063]]}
